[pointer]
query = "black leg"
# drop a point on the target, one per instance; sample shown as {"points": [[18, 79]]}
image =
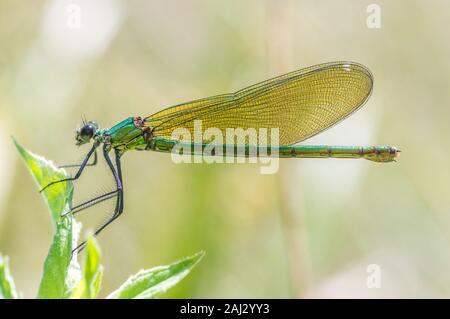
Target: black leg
{"points": [[119, 172], [119, 203], [80, 170], [92, 202], [94, 162]]}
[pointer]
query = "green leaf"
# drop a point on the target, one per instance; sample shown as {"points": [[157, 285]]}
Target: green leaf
{"points": [[155, 281], [61, 271], [7, 287], [59, 196], [62, 274], [89, 286]]}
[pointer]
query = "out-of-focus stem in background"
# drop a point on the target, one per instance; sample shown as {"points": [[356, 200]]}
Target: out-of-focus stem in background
{"points": [[279, 52]]}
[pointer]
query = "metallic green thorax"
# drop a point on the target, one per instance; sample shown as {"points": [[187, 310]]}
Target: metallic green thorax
{"points": [[125, 135]]}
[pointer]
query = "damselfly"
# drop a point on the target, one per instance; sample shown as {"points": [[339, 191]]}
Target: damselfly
{"points": [[299, 104]]}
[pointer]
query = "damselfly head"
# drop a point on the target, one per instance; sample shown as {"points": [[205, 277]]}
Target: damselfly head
{"points": [[84, 134]]}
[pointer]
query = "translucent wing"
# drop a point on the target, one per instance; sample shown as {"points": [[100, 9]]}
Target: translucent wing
{"points": [[300, 104]]}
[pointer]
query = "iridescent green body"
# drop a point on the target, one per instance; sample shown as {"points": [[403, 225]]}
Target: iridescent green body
{"points": [[127, 135], [124, 136], [372, 153], [300, 104], [294, 106]]}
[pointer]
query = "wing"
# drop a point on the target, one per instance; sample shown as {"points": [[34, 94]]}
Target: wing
{"points": [[300, 104]]}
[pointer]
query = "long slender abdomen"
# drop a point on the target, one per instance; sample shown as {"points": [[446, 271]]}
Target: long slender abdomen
{"points": [[380, 154]]}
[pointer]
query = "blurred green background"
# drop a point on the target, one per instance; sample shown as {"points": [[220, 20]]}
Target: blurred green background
{"points": [[312, 229]]}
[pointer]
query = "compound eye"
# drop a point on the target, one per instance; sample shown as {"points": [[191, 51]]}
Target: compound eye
{"points": [[87, 131]]}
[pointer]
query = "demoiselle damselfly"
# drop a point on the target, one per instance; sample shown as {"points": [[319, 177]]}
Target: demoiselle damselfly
{"points": [[299, 105]]}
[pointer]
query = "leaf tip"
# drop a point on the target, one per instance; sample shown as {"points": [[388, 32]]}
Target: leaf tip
{"points": [[17, 145], [198, 256]]}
